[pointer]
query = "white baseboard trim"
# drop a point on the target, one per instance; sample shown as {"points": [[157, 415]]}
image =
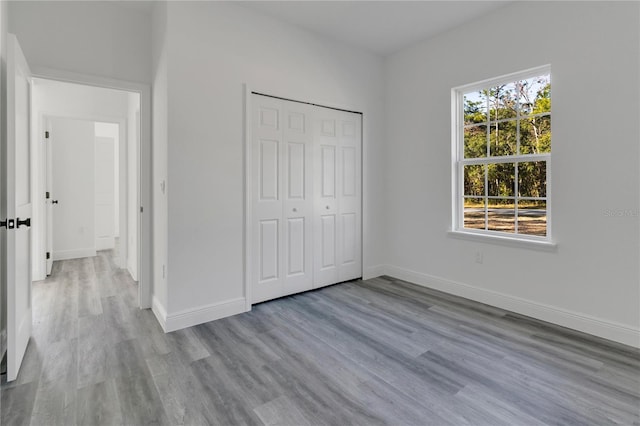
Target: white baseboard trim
{"points": [[105, 243], [160, 312], [372, 271], [74, 254], [577, 321], [202, 314]]}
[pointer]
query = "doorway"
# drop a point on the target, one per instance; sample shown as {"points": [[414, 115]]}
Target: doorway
{"points": [[88, 166]]}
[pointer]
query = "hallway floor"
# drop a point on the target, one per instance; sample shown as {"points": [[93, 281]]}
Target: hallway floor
{"points": [[379, 351]]}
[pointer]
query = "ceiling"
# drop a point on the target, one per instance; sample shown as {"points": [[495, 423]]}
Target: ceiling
{"points": [[381, 27]]}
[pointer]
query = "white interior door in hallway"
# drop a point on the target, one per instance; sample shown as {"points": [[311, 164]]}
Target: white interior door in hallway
{"points": [[306, 198]]}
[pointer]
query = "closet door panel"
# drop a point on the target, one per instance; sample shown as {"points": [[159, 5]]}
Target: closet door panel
{"points": [[326, 188], [350, 196], [298, 198], [267, 198]]}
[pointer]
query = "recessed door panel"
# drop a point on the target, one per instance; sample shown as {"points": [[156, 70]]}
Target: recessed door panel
{"points": [[328, 239], [22, 150], [349, 233], [348, 129], [296, 170], [328, 128], [296, 122], [269, 118], [296, 246], [268, 170], [328, 170], [268, 250], [348, 171]]}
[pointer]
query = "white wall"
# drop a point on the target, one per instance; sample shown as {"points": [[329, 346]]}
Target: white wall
{"points": [[90, 37], [73, 187], [591, 282], [212, 49], [160, 118]]}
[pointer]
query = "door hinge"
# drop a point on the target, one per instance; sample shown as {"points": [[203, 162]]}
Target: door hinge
{"points": [[47, 195], [46, 135], [141, 209], [48, 255]]}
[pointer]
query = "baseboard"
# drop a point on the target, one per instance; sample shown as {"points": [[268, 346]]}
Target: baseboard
{"points": [[105, 243], [610, 330], [160, 312], [202, 314], [372, 272], [131, 270], [74, 254]]}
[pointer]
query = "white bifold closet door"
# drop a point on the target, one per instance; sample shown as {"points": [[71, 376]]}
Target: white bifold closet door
{"points": [[306, 197]]}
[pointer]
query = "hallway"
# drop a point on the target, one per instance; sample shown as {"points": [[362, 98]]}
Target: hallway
{"points": [[88, 334]]}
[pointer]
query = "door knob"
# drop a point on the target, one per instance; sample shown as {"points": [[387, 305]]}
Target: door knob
{"points": [[54, 201], [26, 222], [295, 210], [328, 207]]}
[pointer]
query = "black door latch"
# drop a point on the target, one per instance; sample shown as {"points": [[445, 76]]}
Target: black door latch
{"points": [[26, 222]]}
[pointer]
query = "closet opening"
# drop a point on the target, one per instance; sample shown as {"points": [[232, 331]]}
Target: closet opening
{"points": [[303, 184]]}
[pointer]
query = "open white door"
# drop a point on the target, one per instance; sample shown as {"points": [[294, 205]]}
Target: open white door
{"points": [[18, 206]]}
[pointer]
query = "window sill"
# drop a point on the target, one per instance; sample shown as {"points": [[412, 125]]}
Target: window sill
{"points": [[505, 241]]}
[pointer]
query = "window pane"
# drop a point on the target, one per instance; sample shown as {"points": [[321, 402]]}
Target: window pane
{"points": [[501, 215], [501, 179], [503, 138], [532, 179], [532, 218], [534, 95], [535, 135], [474, 213], [475, 108], [503, 101], [475, 141], [474, 180]]}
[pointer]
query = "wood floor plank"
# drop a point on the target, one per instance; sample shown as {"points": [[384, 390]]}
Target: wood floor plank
{"points": [[98, 404], [16, 404], [381, 351]]}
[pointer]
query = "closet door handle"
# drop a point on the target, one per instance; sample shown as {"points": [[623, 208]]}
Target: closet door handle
{"points": [[295, 210], [327, 207]]}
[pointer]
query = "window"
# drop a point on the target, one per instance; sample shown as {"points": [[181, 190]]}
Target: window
{"points": [[502, 155]]}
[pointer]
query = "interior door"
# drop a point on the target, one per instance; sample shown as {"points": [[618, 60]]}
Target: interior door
{"points": [[282, 148], [49, 201], [326, 186], [105, 162], [18, 206], [350, 196], [266, 198], [297, 198]]}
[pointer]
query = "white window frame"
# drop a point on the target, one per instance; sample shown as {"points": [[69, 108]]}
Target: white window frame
{"points": [[458, 162]]}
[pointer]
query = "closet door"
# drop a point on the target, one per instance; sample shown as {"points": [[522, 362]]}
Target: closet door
{"points": [[282, 202], [266, 190], [326, 253], [338, 196], [298, 198], [349, 215]]}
